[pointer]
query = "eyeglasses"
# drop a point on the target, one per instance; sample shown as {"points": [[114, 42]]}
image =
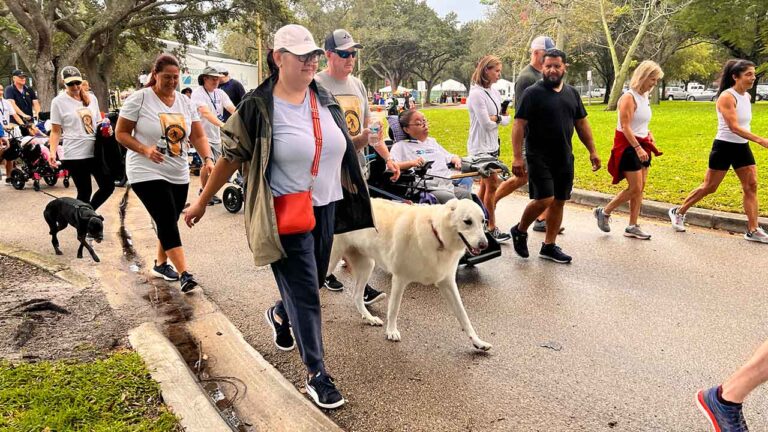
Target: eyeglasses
{"points": [[312, 57], [419, 123], [345, 54], [74, 83]]}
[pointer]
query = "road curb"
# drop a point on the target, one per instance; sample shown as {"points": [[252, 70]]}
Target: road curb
{"points": [[712, 219], [180, 389], [47, 263]]}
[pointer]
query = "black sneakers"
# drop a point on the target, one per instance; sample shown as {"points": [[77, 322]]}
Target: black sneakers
{"points": [[371, 296], [281, 333], [333, 284], [553, 252], [322, 389], [519, 241], [164, 271], [187, 281]]}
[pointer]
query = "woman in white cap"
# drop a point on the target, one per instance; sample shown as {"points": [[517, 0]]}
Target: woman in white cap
{"points": [[74, 118], [300, 129], [211, 102]]}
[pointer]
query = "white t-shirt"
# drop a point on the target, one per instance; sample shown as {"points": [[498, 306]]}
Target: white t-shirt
{"points": [[429, 150], [78, 125], [216, 102], [6, 111], [293, 151], [484, 133], [154, 120]]}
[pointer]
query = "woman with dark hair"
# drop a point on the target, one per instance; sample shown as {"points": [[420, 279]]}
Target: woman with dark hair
{"points": [[74, 116], [157, 125], [731, 148], [313, 172], [485, 117], [418, 148]]}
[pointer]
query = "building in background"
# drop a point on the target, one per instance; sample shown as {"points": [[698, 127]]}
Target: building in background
{"points": [[194, 59]]}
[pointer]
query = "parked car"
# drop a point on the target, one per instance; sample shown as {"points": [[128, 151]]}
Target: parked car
{"points": [[704, 95], [676, 93], [762, 92], [597, 92]]}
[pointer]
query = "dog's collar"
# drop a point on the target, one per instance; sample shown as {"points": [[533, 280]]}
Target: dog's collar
{"points": [[437, 236]]}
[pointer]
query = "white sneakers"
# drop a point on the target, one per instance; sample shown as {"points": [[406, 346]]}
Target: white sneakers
{"points": [[759, 235], [677, 219]]}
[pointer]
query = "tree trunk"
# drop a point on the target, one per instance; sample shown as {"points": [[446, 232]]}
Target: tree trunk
{"points": [[45, 75], [427, 98]]}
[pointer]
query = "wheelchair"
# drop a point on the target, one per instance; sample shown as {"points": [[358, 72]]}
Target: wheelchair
{"points": [[411, 188]]}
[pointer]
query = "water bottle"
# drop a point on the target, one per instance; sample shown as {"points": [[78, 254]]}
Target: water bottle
{"points": [[162, 145], [105, 128], [373, 137]]}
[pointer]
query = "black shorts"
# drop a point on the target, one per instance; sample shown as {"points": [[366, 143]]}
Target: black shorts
{"points": [[549, 179], [725, 154], [630, 161]]}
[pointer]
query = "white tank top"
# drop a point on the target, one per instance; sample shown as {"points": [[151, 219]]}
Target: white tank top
{"points": [[743, 113], [641, 118]]}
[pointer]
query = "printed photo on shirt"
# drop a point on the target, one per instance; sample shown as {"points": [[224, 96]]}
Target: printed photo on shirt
{"points": [[352, 113], [87, 118], [174, 131]]}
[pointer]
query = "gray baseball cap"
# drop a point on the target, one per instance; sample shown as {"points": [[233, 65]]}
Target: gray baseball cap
{"points": [[211, 71], [340, 39]]}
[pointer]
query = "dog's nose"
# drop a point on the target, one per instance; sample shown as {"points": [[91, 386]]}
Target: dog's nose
{"points": [[483, 245]]}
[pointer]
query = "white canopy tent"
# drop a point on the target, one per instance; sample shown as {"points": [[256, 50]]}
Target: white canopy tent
{"points": [[505, 88], [400, 89], [450, 85]]}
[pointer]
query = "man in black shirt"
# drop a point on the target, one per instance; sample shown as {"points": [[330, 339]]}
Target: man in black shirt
{"points": [[550, 110], [23, 98], [232, 87]]}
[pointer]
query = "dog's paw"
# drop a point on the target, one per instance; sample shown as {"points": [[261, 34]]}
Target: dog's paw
{"points": [[59, 253], [374, 321], [96, 259], [393, 335], [481, 345]]}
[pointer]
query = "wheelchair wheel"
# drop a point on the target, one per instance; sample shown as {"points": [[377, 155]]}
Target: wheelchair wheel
{"points": [[18, 180], [233, 199], [51, 180], [66, 182], [36, 185]]}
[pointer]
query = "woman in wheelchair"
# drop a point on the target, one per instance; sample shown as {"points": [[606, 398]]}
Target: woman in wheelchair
{"points": [[419, 149]]}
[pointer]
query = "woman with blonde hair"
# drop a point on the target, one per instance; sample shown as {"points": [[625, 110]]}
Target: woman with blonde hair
{"points": [[485, 117], [632, 147]]}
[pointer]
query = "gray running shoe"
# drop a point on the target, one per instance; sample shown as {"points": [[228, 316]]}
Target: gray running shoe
{"points": [[759, 235], [634, 231], [539, 225], [677, 219], [603, 220]]}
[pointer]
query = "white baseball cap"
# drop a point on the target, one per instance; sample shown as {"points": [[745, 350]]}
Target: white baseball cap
{"points": [[296, 40], [542, 43]]}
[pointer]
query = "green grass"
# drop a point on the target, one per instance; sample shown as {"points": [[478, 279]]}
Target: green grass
{"points": [[683, 131], [114, 394]]}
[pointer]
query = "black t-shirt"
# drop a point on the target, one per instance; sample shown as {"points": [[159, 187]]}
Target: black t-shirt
{"points": [[528, 77], [22, 98], [551, 118]]}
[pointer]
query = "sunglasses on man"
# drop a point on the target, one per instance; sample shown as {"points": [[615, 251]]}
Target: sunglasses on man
{"points": [[345, 54]]}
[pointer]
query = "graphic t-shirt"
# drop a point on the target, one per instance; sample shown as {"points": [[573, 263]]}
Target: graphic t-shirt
{"points": [[158, 124], [6, 111], [551, 118], [78, 125], [216, 101], [429, 150]]}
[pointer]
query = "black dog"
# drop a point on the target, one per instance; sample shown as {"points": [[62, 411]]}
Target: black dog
{"points": [[68, 211]]}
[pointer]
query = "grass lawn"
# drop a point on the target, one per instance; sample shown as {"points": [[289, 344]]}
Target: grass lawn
{"points": [[683, 131], [113, 394]]}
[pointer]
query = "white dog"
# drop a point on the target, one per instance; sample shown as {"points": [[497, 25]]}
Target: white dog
{"points": [[416, 243]]}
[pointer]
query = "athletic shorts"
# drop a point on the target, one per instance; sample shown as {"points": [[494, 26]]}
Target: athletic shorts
{"points": [[630, 161], [726, 154], [215, 151], [547, 179]]}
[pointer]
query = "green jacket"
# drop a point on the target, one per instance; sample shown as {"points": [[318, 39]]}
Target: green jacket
{"points": [[247, 138]]}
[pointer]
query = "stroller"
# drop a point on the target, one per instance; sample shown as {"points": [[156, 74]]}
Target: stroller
{"points": [[411, 187], [31, 153], [234, 195]]}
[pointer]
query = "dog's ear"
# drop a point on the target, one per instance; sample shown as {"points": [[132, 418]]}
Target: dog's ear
{"points": [[453, 204], [100, 217]]}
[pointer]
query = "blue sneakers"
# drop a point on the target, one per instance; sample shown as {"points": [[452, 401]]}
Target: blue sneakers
{"points": [[722, 417]]}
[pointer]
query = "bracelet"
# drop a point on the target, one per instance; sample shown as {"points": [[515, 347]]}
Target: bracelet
{"points": [[205, 159]]}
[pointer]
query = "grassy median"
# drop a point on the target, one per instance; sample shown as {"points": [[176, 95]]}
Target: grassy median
{"points": [[683, 130], [113, 394]]}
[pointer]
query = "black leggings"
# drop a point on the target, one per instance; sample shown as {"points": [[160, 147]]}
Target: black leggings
{"points": [[164, 201], [81, 171]]}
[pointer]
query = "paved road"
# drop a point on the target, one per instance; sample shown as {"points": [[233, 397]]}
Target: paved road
{"points": [[641, 326]]}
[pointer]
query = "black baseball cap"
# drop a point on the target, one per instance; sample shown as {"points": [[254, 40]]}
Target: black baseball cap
{"points": [[19, 73], [71, 74]]}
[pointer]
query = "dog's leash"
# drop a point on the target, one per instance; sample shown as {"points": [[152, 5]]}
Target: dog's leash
{"points": [[50, 195]]}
